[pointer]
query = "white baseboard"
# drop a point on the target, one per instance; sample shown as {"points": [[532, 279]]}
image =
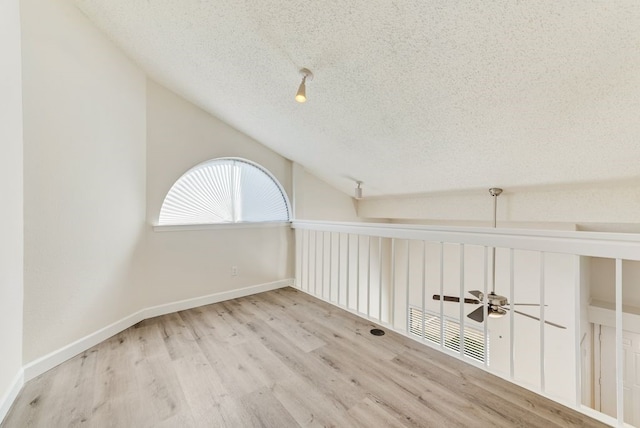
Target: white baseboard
{"points": [[7, 400], [182, 305], [37, 367]]}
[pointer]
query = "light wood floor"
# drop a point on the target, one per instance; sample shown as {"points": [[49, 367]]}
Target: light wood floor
{"points": [[277, 359]]}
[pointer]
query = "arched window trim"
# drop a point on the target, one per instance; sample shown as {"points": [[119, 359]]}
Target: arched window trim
{"points": [[230, 224]]}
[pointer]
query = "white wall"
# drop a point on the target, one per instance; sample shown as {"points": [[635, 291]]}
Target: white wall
{"points": [[84, 177], [617, 202], [317, 200], [11, 223], [186, 264], [602, 273]]}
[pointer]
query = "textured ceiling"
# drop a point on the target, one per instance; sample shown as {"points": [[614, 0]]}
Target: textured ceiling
{"points": [[409, 96]]}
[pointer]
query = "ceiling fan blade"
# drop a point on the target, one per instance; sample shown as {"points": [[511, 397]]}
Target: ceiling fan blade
{"points": [[477, 315], [446, 298], [536, 318], [455, 299], [477, 293], [528, 304]]}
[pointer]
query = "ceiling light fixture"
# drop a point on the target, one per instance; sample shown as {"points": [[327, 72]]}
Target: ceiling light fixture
{"points": [[301, 95], [359, 190]]}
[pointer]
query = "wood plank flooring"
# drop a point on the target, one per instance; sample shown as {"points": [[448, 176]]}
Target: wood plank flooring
{"points": [[276, 359]]}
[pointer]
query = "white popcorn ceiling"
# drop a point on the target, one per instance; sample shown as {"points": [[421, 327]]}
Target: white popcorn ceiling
{"points": [[409, 96]]}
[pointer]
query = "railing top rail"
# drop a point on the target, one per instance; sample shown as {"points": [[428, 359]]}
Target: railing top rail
{"points": [[595, 244]]}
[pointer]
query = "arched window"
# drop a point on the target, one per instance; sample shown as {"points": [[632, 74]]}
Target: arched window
{"points": [[225, 190]]}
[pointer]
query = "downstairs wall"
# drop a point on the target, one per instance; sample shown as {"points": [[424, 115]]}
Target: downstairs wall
{"points": [[596, 205], [11, 223], [84, 177], [603, 280]]}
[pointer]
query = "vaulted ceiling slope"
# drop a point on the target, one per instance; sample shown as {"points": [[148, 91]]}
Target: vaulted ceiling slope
{"points": [[409, 96]]}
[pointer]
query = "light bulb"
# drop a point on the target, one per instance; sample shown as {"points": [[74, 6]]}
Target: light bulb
{"points": [[301, 95]]}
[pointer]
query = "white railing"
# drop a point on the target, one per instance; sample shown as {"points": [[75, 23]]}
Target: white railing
{"points": [[394, 276]]}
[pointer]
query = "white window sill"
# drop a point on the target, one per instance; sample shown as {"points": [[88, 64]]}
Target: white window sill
{"points": [[218, 226]]}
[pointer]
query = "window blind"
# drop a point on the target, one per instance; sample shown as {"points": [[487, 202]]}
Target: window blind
{"points": [[226, 190]]}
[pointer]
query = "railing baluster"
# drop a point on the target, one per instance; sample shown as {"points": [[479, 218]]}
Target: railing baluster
{"points": [[302, 268], [577, 301], [339, 264], [512, 317], [315, 263], [380, 279], [486, 308], [308, 265], [369, 277], [299, 253], [330, 265], [619, 347], [462, 300], [441, 294], [358, 276], [406, 306], [424, 285], [348, 290], [296, 281], [392, 309], [542, 374], [322, 293]]}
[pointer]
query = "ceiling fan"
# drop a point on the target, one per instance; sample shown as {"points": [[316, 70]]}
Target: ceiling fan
{"points": [[496, 304]]}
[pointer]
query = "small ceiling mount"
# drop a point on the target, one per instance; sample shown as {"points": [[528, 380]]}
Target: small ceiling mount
{"points": [[306, 73], [358, 190], [495, 191]]}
